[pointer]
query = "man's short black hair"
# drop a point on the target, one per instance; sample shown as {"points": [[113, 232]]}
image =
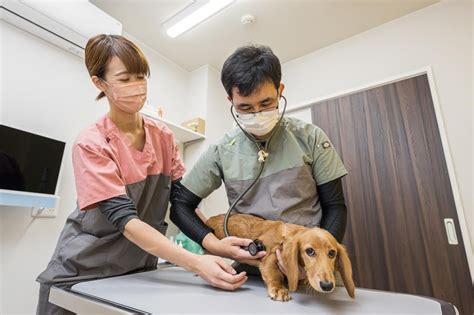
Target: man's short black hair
{"points": [[249, 67]]}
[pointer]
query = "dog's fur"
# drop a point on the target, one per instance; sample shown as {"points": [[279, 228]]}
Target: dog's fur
{"points": [[292, 240]]}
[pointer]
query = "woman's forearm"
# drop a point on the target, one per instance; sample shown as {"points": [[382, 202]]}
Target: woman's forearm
{"points": [[155, 243]]}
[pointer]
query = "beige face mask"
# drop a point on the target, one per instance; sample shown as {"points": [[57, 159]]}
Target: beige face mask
{"points": [[259, 124], [129, 97]]}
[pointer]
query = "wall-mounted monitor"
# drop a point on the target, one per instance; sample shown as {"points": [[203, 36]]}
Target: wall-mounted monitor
{"points": [[30, 165]]}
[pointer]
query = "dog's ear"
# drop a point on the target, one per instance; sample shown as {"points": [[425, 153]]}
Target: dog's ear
{"points": [[345, 269], [290, 255]]}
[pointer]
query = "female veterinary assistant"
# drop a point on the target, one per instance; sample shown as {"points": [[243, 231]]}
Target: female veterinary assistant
{"points": [[125, 167]]}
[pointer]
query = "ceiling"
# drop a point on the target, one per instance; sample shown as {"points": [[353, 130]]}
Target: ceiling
{"points": [[292, 28]]}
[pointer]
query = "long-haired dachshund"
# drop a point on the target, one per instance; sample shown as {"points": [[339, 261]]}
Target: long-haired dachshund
{"points": [[314, 249]]}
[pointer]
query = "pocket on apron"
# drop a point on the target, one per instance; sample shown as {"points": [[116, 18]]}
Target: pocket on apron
{"points": [[83, 252]]}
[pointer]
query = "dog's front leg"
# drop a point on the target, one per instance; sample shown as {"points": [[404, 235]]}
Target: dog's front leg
{"points": [[273, 278]]}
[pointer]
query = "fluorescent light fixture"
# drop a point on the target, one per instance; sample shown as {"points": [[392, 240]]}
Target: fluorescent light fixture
{"points": [[196, 17]]}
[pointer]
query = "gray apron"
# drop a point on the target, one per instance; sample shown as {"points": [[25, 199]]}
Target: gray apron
{"points": [[90, 247]]}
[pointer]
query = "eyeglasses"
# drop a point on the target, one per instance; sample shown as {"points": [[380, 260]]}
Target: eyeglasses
{"points": [[266, 107]]}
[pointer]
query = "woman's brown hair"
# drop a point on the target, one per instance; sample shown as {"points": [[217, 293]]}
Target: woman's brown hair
{"points": [[101, 48]]}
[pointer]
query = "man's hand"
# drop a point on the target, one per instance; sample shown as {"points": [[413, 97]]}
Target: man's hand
{"points": [[231, 247], [281, 266]]}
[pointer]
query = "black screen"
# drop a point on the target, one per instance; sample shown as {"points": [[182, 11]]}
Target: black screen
{"points": [[29, 162]]}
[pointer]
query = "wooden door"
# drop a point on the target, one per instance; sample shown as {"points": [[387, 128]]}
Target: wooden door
{"points": [[398, 192]]}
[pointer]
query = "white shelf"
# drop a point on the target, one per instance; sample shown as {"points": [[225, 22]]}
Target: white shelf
{"points": [[181, 134], [27, 199]]}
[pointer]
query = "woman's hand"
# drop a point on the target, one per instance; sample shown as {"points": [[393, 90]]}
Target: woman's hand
{"points": [[281, 266], [218, 273], [212, 269]]}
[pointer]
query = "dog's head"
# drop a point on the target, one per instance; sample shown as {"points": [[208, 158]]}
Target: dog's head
{"points": [[318, 252]]}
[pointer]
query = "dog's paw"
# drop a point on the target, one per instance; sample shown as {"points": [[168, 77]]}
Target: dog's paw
{"points": [[279, 294]]}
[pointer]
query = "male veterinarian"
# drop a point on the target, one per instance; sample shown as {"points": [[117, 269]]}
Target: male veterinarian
{"points": [[301, 178]]}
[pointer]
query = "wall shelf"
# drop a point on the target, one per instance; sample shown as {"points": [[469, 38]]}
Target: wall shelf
{"points": [[181, 134], [27, 199]]}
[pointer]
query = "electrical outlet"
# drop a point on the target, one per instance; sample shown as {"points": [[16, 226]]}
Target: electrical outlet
{"points": [[44, 212]]}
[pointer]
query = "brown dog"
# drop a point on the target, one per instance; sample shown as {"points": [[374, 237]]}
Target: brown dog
{"points": [[314, 249]]}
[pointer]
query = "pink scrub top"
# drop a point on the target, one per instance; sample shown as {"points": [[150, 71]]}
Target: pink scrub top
{"points": [[106, 165]]}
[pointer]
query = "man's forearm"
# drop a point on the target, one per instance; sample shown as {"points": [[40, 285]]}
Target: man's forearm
{"points": [[211, 243], [183, 213], [334, 211]]}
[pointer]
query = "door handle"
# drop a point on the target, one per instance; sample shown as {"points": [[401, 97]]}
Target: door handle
{"points": [[451, 231]]}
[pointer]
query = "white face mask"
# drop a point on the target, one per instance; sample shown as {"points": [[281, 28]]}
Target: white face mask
{"points": [[259, 124]]}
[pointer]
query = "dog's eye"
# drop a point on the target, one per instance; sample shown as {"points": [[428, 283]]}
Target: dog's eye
{"points": [[310, 252], [332, 253]]}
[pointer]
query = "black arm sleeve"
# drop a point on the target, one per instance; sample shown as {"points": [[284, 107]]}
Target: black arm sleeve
{"points": [[333, 207], [183, 213], [118, 210]]}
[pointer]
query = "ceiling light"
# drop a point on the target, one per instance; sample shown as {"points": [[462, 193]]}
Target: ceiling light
{"points": [[195, 17]]}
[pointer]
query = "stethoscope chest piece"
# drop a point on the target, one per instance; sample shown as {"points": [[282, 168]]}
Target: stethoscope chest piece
{"points": [[255, 247]]}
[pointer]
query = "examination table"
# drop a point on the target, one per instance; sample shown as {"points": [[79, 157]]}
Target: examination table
{"points": [[173, 290]]}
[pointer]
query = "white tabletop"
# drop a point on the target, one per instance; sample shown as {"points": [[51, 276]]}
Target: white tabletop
{"points": [[173, 290]]}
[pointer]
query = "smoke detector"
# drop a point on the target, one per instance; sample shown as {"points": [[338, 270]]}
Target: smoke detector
{"points": [[247, 19]]}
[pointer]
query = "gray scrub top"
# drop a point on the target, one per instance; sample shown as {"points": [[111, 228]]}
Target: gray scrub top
{"points": [[300, 157]]}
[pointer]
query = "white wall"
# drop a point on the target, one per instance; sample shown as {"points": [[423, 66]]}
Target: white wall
{"points": [[197, 94], [1, 218], [196, 106], [47, 82], [441, 36], [47, 90], [472, 114], [167, 86], [218, 122], [1, 79]]}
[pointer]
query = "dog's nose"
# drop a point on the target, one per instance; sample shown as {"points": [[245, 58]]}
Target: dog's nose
{"points": [[326, 286]]}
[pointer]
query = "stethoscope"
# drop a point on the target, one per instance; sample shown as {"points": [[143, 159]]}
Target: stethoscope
{"points": [[256, 245]]}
